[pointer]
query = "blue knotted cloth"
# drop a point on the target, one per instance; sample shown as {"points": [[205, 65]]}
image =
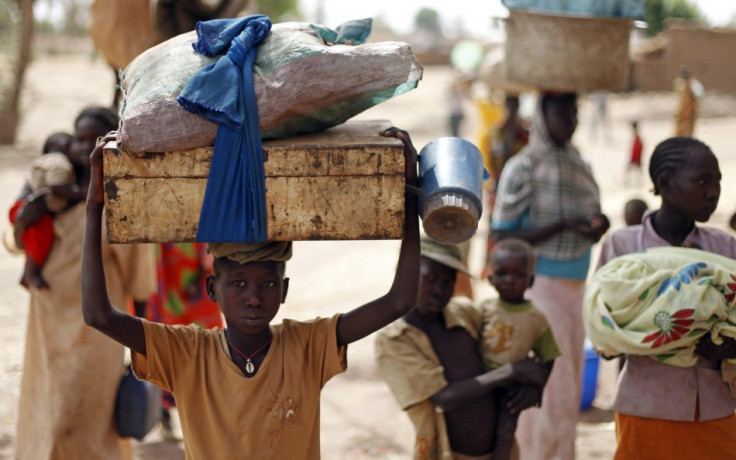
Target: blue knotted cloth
{"points": [[234, 207]]}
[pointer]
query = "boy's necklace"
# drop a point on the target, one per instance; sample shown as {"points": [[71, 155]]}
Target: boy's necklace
{"points": [[249, 366]]}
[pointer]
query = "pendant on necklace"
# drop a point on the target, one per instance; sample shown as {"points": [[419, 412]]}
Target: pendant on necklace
{"points": [[250, 368]]}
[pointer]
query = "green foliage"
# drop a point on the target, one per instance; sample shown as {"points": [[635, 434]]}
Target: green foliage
{"points": [[9, 15], [658, 11], [428, 19], [684, 9], [654, 16], [46, 26], [9, 25], [278, 9]]}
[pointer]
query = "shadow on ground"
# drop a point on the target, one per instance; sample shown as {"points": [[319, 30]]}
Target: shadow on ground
{"points": [[155, 447], [596, 415]]}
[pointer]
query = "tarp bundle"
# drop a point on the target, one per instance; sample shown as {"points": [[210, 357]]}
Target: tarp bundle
{"points": [[306, 78], [660, 303]]}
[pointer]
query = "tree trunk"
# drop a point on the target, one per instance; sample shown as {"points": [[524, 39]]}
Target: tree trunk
{"points": [[10, 112]]}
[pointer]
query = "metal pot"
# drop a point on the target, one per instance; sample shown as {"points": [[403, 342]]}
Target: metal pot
{"points": [[451, 176]]}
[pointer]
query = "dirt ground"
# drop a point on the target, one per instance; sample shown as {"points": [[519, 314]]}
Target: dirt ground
{"points": [[360, 420]]}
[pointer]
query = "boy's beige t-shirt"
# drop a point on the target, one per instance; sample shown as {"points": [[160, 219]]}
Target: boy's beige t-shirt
{"points": [[273, 415], [510, 331]]}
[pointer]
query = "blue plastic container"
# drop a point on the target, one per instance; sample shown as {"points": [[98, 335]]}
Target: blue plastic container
{"points": [[590, 375]]}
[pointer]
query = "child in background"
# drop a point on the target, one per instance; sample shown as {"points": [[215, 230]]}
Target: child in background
{"points": [[58, 142], [430, 361], [634, 210], [51, 176], [253, 389], [634, 164], [507, 139], [512, 328], [636, 147], [456, 96]]}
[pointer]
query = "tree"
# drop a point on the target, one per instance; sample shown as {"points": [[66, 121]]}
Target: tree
{"points": [[428, 19], [10, 103], [658, 11]]}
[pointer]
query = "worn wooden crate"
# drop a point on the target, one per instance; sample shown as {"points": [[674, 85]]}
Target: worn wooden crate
{"points": [[345, 183]]}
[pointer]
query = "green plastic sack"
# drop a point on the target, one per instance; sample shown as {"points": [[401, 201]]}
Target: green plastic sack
{"points": [[307, 78]]}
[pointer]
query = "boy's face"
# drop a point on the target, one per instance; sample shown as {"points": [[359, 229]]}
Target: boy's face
{"points": [[436, 285], [249, 295], [510, 275]]}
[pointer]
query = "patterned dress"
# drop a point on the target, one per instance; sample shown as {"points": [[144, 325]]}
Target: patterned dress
{"points": [[181, 296]]}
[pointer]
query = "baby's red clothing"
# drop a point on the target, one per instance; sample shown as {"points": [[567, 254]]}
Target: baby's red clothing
{"points": [[38, 238]]}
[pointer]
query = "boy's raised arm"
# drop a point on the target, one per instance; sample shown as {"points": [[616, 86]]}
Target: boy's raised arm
{"points": [[402, 296], [96, 307]]}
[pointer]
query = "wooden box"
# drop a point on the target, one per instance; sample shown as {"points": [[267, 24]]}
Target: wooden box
{"points": [[345, 183]]}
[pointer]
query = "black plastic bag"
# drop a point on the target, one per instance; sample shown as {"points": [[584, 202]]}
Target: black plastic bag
{"points": [[137, 406]]}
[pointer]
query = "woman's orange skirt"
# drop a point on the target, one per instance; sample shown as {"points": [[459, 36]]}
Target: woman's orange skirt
{"points": [[654, 439]]}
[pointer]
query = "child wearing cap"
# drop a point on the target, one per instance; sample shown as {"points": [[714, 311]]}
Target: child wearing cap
{"points": [[430, 361], [251, 390], [512, 329]]}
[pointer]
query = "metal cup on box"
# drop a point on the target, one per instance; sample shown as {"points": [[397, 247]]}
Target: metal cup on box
{"points": [[451, 176]]}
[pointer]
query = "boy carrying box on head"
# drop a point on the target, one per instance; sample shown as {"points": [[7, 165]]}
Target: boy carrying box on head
{"points": [[430, 361], [251, 390]]}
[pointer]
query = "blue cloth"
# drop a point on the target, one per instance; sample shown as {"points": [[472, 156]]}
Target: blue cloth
{"points": [[234, 207], [575, 269]]}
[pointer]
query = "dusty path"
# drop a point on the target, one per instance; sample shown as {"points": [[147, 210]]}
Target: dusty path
{"points": [[360, 419]]}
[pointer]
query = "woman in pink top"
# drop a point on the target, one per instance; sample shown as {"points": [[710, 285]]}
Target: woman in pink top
{"points": [[663, 411]]}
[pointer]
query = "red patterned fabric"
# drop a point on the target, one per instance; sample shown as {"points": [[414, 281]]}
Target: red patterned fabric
{"points": [[181, 299]]}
